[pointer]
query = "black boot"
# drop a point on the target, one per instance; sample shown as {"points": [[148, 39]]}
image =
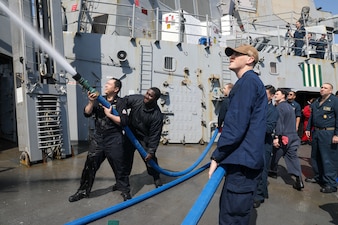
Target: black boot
{"points": [[126, 196], [80, 194], [272, 174], [157, 181], [298, 185]]}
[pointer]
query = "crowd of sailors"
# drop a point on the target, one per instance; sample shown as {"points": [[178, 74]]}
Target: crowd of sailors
{"points": [[319, 118], [238, 146]]}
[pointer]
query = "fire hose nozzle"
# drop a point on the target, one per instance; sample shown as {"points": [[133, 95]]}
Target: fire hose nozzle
{"points": [[84, 83], [77, 77]]}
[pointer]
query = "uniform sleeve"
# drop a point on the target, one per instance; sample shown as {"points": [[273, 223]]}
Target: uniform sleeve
{"points": [[127, 101], [271, 119], [130, 100], [298, 110], [155, 132], [93, 111], [280, 121], [336, 114], [223, 110]]}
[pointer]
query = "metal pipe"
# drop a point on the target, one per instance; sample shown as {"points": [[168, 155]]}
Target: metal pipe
{"points": [[133, 23], [33, 13], [204, 198], [108, 211], [79, 20], [278, 38], [208, 31], [157, 21]]}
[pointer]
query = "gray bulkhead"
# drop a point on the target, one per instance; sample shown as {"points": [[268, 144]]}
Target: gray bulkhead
{"points": [[163, 50]]}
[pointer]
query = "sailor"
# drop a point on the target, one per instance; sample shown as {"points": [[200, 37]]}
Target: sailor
{"points": [[240, 148], [321, 44], [298, 36], [145, 121], [310, 48], [107, 141], [286, 140], [324, 153]]}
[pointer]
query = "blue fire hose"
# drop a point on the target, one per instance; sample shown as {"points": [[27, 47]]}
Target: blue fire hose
{"points": [[205, 197], [136, 143], [143, 153], [159, 169], [108, 211]]}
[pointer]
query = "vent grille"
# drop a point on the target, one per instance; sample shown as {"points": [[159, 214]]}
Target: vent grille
{"points": [[49, 125]]}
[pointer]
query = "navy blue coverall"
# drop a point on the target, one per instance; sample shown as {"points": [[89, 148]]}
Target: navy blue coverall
{"points": [[240, 148], [298, 110], [286, 126]]}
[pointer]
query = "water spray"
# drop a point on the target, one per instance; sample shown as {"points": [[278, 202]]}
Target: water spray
{"points": [[43, 43]]}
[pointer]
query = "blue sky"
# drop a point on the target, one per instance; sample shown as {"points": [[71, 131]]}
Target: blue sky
{"points": [[330, 6], [327, 5]]}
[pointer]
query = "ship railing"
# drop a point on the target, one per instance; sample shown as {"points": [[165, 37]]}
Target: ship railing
{"points": [[267, 33], [178, 26], [275, 39], [98, 14]]}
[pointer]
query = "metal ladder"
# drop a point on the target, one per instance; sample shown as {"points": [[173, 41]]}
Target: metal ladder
{"points": [[146, 66]]}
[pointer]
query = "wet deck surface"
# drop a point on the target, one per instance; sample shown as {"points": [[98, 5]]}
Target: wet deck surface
{"points": [[39, 194]]}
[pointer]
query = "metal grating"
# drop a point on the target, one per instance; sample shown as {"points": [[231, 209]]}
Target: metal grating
{"points": [[49, 125]]}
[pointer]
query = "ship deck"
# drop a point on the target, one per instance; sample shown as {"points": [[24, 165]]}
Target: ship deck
{"points": [[39, 194]]}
